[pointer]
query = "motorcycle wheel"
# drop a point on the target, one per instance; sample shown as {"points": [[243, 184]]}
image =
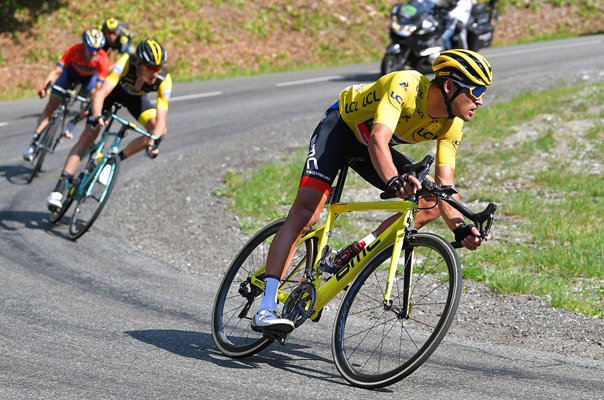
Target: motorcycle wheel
{"points": [[391, 63]]}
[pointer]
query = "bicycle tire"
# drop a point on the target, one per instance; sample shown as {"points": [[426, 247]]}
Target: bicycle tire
{"points": [[42, 149], [372, 346], [92, 201], [232, 312], [55, 216]]}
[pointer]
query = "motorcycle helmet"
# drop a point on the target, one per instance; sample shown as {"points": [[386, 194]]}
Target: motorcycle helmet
{"points": [[465, 66], [93, 39], [151, 53]]}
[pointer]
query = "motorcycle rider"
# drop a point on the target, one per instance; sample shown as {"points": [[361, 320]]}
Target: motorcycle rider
{"points": [[459, 14]]}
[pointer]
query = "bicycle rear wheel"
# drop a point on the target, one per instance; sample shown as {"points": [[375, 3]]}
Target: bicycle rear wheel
{"points": [[95, 196], [235, 303], [376, 344], [44, 145]]}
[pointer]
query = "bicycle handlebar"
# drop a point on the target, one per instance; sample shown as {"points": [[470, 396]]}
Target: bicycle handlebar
{"points": [[483, 220], [131, 125], [68, 93]]}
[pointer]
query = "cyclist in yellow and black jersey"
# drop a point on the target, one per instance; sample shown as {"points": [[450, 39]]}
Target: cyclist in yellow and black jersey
{"points": [[405, 113], [128, 84], [118, 35], [360, 130]]}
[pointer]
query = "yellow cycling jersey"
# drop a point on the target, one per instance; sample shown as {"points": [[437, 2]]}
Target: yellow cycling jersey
{"points": [[398, 100], [124, 73]]}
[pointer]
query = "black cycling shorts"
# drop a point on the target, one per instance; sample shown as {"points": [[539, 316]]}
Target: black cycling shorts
{"points": [[333, 145], [136, 105]]}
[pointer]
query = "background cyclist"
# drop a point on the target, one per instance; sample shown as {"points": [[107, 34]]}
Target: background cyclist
{"points": [[85, 63], [117, 35], [130, 80], [360, 129]]}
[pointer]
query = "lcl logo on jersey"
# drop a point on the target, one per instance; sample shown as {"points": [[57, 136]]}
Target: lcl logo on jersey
{"points": [[395, 100], [370, 98], [424, 134]]}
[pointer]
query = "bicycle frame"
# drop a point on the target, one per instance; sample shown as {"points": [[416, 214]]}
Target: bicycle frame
{"points": [[394, 234], [114, 147]]}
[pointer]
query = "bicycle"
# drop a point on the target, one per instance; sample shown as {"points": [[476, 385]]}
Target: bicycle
{"points": [[47, 142], [93, 186], [401, 291]]}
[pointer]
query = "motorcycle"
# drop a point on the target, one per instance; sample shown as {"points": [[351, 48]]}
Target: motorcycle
{"points": [[416, 30]]}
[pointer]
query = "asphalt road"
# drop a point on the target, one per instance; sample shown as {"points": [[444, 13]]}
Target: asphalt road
{"points": [[102, 318]]}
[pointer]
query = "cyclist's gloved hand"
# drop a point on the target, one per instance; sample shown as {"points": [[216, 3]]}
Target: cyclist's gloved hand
{"points": [[42, 92], [468, 235], [153, 148], [94, 122], [403, 185]]}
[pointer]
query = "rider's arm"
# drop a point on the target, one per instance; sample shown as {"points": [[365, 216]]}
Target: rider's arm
{"points": [[381, 158], [163, 97], [445, 175], [53, 75], [379, 151], [98, 98], [160, 128]]}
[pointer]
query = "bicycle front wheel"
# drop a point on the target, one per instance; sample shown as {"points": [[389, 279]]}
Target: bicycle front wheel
{"points": [[375, 344], [238, 298], [90, 204], [44, 146]]}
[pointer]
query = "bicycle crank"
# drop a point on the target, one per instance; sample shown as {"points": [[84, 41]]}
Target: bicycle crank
{"points": [[300, 303]]}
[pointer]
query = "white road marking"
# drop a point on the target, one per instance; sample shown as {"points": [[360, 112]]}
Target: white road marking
{"points": [[195, 96], [544, 48], [312, 80]]}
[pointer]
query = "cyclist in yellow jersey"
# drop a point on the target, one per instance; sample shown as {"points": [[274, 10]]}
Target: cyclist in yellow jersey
{"points": [[132, 77], [360, 130]]}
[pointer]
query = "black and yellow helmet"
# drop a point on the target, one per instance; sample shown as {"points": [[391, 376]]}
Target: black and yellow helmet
{"points": [[150, 52], [465, 66], [93, 39], [110, 24]]}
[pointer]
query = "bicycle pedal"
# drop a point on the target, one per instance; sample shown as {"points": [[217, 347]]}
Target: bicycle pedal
{"points": [[276, 336]]}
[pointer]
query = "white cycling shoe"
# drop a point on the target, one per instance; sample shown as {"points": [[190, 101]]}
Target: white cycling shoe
{"points": [[54, 202], [28, 154], [266, 320]]}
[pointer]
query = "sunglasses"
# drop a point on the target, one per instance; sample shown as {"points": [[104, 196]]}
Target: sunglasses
{"points": [[152, 68], [475, 91]]}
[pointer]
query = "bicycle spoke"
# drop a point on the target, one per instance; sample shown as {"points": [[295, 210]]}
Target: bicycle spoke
{"points": [[375, 346]]}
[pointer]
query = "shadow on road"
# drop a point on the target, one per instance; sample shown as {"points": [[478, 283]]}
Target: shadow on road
{"points": [[291, 357], [16, 174], [30, 220]]}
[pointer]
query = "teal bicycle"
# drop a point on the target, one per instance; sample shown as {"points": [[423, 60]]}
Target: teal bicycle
{"points": [[91, 189]]}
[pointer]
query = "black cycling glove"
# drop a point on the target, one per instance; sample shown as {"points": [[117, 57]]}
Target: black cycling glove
{"points": [[462, 231]]}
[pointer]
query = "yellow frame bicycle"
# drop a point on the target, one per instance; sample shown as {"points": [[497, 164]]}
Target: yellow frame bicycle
{"points": [[401, 291]]}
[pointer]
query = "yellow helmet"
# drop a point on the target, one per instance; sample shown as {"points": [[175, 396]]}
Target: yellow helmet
{"points": [[110, 24], [151, 53], [465, 66]]}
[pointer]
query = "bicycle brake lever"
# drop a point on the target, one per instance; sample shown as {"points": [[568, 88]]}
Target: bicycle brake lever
{"points": [[487, 216]]}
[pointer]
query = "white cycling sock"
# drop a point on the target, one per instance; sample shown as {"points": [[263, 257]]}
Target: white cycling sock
{"points": [[269, 300]]}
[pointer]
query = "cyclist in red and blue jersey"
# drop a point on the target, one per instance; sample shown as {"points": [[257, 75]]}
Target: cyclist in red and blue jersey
{"points": [[85, 63], [360, 130]]}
